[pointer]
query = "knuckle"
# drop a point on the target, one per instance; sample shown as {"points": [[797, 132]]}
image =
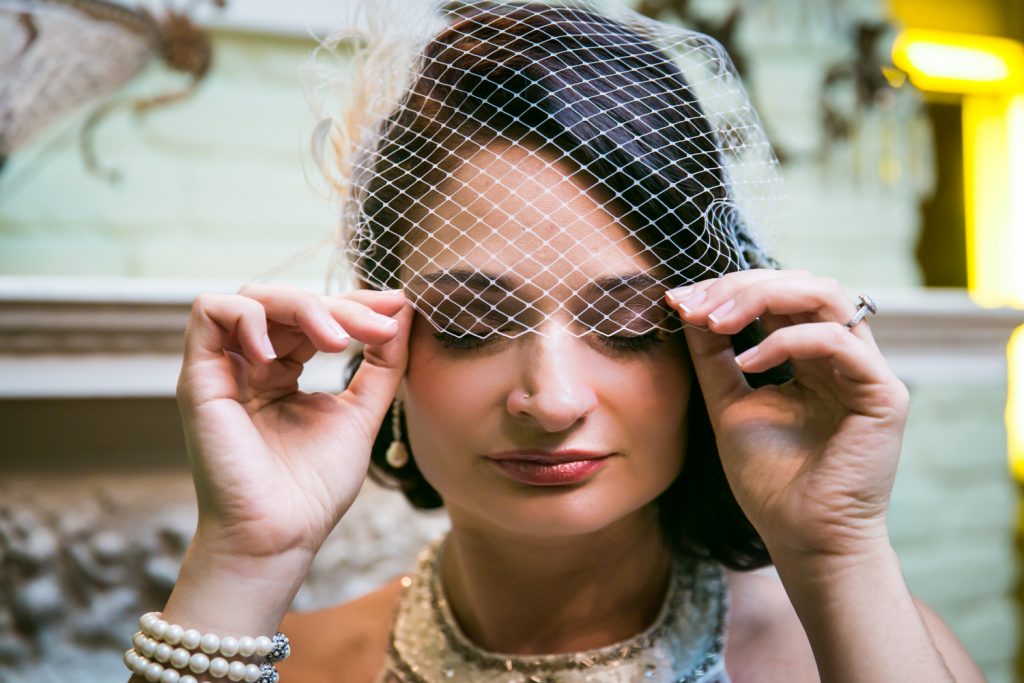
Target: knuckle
{"points": [[308, 307], [750, 296], [251, 307], [901, 394], [250, 290], [203, 302], [834, 334], [832, 286]]}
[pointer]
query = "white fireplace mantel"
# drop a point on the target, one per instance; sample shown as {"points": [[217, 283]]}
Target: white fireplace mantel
{"points": [[87, 337]]}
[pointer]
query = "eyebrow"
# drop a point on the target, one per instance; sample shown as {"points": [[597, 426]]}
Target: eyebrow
{"points": [[483, 281], [637, 282], [473, 279]]}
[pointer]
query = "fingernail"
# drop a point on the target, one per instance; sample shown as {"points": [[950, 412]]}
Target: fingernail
{"points": [[383, 320], [338, 331], [268, 348], [747, 356], [690, 303], [719, 313], [679, 293]]}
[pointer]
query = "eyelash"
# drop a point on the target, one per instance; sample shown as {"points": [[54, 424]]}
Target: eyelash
{"points": [[627, 343]]}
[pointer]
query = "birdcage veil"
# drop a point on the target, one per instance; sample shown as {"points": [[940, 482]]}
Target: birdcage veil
{"points": [[471, 132]]}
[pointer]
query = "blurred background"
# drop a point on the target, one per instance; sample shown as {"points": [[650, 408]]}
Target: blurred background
{"points": [[150, 156]]}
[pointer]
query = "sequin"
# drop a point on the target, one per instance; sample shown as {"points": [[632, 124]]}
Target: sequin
{"points": [[683, 645]]}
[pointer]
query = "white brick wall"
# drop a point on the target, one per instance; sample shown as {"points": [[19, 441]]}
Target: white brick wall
{"points": [[210, 187]]}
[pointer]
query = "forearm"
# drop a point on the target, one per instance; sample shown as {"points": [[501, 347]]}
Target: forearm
{"points": [[226, 595], [861, 619]]}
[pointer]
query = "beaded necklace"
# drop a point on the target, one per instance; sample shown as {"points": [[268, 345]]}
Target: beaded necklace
{"points": [[683, 645]]}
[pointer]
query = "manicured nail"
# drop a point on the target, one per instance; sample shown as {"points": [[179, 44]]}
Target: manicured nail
{"points": [[747, 356], [690, 303], [268, 348], [383, 320], [679, 293], [719, 313], [338, 331]]}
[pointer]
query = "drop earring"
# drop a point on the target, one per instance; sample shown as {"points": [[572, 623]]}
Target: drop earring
{"points": [[397, 455]]}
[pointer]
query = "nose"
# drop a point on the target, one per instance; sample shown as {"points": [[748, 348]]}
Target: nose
{"points": [[556, 390]]}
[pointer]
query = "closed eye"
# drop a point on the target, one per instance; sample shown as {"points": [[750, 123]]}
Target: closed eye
{"points": [[473, 339]]}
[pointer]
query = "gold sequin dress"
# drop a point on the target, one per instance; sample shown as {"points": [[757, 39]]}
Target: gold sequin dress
{"points": [[683, 645]]}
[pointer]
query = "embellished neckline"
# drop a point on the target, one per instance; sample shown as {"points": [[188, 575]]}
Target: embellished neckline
{"points": [[682, 645]]}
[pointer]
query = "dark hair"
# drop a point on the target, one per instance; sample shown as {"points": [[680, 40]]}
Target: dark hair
{"points": [[619, 110]]}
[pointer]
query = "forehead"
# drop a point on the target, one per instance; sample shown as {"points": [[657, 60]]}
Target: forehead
{"points": [[511, 209]]}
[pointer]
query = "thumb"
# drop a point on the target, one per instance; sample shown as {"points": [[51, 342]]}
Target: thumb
{"points": [[375, 383], [714, 362]]}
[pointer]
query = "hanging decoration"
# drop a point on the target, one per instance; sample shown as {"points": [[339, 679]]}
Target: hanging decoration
{"points": [[57, 56]]}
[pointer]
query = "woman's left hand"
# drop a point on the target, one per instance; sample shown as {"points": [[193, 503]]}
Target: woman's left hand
{"points": [[812, 461]]}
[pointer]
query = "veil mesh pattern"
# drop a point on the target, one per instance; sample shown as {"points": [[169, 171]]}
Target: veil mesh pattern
{"points": [[528, 166]]}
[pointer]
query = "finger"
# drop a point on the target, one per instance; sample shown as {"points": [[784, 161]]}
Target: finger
{"points": [[694, 294], [292, 344], [225, 336], [329, 322], [732, 303], [363, 322], [849, 355], [819, 299], [714, 362], [217, 320], [388, 302]]}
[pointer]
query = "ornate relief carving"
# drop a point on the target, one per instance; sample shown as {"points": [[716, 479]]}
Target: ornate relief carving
{"points": [[82, 558]]}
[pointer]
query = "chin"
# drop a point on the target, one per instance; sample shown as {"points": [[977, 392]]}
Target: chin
{"points": [[557, 512]]}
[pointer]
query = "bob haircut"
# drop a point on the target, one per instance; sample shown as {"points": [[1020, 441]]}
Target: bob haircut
{"points": [[666, 153]]}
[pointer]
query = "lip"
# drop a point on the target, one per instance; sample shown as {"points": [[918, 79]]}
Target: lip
{"points": [[550, 468], [549, 457]]}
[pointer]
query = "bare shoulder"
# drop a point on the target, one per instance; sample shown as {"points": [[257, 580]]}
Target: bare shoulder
{"points": [[765, 640], [347, 642]]}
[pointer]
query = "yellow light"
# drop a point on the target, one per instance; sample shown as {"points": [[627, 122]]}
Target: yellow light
{"points": [[994, 176], [1015, 404], [937, 61], [989, 74]]}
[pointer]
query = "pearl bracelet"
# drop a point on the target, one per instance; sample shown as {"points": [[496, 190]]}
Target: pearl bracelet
{"points": [[198, 662], [166, 653], [156, 672], [274, 649]]}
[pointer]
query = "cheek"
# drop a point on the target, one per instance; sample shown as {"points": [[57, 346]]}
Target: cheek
{"points": [[653, 403], [446, 401]]}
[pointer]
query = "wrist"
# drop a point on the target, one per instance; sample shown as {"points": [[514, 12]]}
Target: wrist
{"points": [[831, 547], [233, 594], [823, 565], [857, 602]]}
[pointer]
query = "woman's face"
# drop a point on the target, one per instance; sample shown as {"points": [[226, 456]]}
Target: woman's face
{"points": [[548, 434]]}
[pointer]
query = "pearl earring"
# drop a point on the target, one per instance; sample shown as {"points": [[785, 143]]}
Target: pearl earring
{"points": [[397, 455]]}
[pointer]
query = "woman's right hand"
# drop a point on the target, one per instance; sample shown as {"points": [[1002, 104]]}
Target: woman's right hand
{"points": [[275, 468]]}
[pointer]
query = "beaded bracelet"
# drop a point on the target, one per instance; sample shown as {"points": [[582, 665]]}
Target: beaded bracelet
{"points": [[274, 649], [156, 672], [161, 649]]}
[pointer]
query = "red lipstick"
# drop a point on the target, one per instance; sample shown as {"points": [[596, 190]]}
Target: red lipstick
{"points": [[550, 468]]}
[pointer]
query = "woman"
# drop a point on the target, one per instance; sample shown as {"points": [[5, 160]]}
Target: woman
{"points": [[609, 474]]}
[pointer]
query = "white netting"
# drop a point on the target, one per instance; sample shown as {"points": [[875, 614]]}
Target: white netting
{"points": [[518, 167]]}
